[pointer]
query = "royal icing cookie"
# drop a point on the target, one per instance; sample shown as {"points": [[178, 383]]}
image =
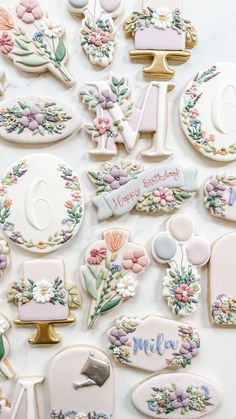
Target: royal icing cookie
{"points": [[85, 384], [123, 186], [184, 253], [4, 254], [160, 33], [207, 112], [44, 298], [111, 270], [153, 343], [98, 33], [6, 370], [41, 203], [176, 395], [37, 120], [220, 196], [33, 41], [119, 120], [24, 402]]}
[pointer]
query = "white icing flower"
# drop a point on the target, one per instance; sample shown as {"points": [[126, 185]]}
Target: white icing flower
{"points": [[4, 249], [43, 292], [127, 286], [4, 325], [51, 28], [162, 18], [81, 415], [116, 351]]}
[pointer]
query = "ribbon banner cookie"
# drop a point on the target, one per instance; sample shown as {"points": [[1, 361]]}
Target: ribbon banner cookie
{"points": [[119, 120], [153, 343], [81, 384], [98, 33], [109, 276], [184, 253], [4, 254], [33, 41], [220, 196], [160, 34], [44, 299], [123, 186]]}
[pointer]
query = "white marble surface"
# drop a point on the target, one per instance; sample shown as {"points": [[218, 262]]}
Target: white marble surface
{"points": [[217, 32]]}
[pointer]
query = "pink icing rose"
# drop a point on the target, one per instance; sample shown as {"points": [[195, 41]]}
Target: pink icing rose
{"points": [[135, 260], [183, 293], [6, 43], [29, 10], [103, 125], [98, 38]]}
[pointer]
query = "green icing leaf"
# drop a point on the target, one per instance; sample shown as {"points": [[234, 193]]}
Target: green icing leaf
{"points": [[2, 350], [32, 62], [60, 51], [90, 287], [111, 304]]}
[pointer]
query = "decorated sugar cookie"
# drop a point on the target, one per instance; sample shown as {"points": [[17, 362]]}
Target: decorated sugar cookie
{"points": [[220, 196], [24, 402], [6, 370], [44, 298], [98, 33], [119, 120], [160, 33], [111, 270], [153, 343], [41, 204], [207, 111], [184, 253], [123, 186], [4, 254], [84, 384], [174, 396], [33, 41]]}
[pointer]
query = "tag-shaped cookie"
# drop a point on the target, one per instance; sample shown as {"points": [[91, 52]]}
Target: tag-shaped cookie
{"points": [[4, 250], [153, 343], [184, 253], [33, 41], [160, 33], [119, 120], [207, 111], [44, 298], [84, 384], [111, 270], [176, 395], [123, 186], [98, 33], [220, 196], [24, 402], [41, 206], [6, 370]]}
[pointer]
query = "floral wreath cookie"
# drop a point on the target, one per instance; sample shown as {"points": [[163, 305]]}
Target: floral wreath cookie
{"points": [[4, 254], [98, 33], [220, 196], [33, 41], [111, 270], [184, 253]]}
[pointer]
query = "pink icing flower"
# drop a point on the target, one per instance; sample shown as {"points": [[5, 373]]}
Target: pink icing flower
{"points": [[97, 256], [194, 113], [98, 38], [135, 260], [3, 190], [162, 196], [29, 10], [183, 293], [103, 125], [6, 43]]}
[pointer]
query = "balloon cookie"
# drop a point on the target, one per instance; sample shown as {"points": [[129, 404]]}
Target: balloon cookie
{"points": [[207, 112], [41, 204], [123, 186], [44, 299], [85, 384], [6, 370], [153, 343], [98, 33], [4, 254], [160, 34], [184, 253], [176, 395], [119, 120], [33, 41], [220, 196], [109, 275]]}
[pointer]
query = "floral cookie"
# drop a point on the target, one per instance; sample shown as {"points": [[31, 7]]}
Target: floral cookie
{"points": [[220, 196], [43, 298], [6, 370], [153, 343], [85, 384], [4, 254], [98, 33], [110, 273], [119, 120], [176, 396], [33, 41], [161, 33], [123, 186], [184, 253]]}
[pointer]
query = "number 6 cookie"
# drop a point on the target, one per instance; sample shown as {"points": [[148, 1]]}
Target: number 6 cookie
{"points": [[184, 253]]}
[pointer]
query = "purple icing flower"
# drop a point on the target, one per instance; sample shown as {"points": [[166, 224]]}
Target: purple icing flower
{"points": [[179, 399], [215, 188], [3, 262], [116, 178], [32, 118], [118, 337], [107, 99], [16, 237], [189, 350]]}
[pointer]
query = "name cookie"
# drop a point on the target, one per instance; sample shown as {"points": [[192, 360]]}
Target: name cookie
{"points": [[4, 253], [124, 186], [160, 33], [111, 270], [184, 253], [220, 196]]}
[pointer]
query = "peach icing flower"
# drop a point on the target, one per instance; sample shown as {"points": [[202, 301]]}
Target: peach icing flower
{"points": [[6, 22], [7, 203], [68, 204], [136, 260], [114, 239], [29, 10]]}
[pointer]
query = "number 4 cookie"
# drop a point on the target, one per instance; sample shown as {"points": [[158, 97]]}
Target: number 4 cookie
{"points": [[184, 253]]}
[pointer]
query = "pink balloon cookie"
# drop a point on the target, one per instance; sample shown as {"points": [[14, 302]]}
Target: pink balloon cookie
{"points": [[184, 253], [4, 254], [220, 196], [111, 270]]}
